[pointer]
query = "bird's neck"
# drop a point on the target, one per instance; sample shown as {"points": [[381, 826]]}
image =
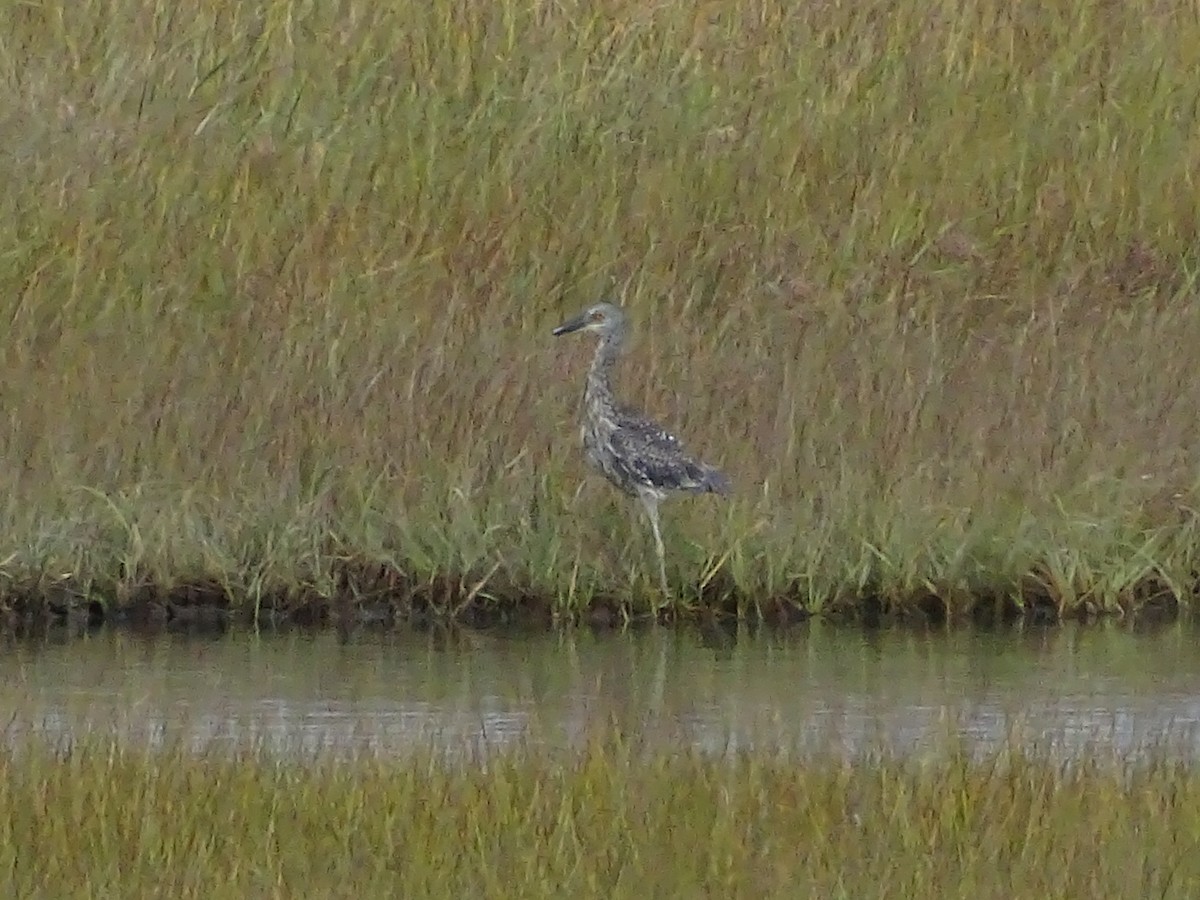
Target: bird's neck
{"points": [[599, 381]]}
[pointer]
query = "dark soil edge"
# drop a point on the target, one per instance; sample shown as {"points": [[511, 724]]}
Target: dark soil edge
{"points": [[372, 595]]}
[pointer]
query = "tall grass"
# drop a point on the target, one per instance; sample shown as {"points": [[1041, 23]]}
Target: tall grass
{"points": [[100, 819], [278, 283]]}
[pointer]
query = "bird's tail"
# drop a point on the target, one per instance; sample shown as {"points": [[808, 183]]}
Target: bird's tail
{"points": [[717, 481]]}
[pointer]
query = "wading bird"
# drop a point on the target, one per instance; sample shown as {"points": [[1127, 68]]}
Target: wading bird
{"points": [[637, 455]]}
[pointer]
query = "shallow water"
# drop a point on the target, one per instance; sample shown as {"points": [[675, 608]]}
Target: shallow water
{"points": [[1067, 690]]}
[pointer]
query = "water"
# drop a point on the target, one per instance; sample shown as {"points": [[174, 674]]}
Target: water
{"points": [[1066, 690]]}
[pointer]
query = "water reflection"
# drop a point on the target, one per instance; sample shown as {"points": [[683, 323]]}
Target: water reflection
{"points": [[818, 688]]}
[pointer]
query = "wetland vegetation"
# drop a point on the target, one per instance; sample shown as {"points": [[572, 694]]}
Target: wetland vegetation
{"points": [[278, 282], [97, 818]]}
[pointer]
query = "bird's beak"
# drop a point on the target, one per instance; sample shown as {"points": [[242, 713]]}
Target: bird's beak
{"points": [[571, 325]]}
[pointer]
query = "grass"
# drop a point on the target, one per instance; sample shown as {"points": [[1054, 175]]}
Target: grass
{"points": [[100, 819], [277, 286]]}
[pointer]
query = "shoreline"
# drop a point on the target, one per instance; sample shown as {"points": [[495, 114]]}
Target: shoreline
{"points": [[391, 600]]}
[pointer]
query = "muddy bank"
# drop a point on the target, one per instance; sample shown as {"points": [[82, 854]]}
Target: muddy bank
{"points": [[376, 596]]}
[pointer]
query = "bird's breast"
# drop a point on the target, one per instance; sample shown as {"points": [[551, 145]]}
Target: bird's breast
{"points": [[596, 434]]}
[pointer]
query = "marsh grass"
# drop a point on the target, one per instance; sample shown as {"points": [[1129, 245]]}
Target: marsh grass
{"points": [[98, 818], [278, 282]]}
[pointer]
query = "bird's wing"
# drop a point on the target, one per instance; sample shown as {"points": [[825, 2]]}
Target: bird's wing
{"points": [[654, 456]]}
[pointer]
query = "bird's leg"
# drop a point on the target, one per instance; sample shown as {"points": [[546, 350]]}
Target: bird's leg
{"points": [[651, 505]]}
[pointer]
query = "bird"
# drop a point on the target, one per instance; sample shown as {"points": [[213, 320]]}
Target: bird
{"points": [[636, 454]]}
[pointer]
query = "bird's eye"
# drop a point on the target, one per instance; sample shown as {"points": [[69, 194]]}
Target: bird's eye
{"points": [[597, 316]]}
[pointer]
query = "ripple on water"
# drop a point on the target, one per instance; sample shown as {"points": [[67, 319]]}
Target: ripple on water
{"points": [[1069, 690]]}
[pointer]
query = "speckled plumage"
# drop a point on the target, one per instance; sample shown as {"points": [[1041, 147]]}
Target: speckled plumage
{"points": [[634, 453]]}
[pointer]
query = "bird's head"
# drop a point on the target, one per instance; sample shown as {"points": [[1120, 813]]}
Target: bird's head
{"points": [[604, 318]]}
